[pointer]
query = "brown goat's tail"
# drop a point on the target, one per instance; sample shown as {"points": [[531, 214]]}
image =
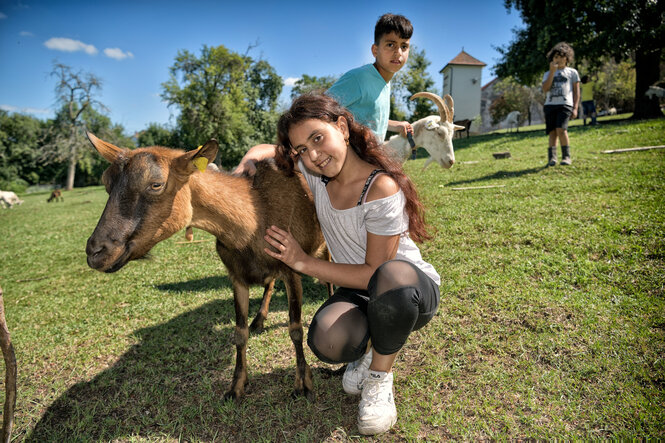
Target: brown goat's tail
{"points": [[10, 376]]}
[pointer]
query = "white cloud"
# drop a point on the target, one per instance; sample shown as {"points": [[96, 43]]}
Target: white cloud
{"points": [[26, 34], [291, 81], [117, 53], [10, 108], [2, 16], [69, 45]]}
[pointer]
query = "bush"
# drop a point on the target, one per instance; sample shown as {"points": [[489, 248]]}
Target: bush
{"points": [[16, 185]]}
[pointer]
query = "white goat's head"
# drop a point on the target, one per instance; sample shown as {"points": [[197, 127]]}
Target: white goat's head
{"points": [[436, 134]]}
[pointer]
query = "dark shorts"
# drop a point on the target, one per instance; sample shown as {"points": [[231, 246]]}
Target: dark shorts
{"points": [[557, 116], [588, 107]]}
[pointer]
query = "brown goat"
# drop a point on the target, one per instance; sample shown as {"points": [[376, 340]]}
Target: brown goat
{"points": [[55, 195], [155, 192]]}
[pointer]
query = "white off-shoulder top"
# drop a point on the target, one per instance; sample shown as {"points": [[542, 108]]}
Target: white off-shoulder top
{"points": [[345, 230]]}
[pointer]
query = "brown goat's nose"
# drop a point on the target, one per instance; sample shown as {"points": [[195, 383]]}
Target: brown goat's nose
{"points": [[95, 251]]}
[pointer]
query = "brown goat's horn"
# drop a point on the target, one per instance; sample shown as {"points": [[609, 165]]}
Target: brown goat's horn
{"points": [[444, 112], [451, 106]]}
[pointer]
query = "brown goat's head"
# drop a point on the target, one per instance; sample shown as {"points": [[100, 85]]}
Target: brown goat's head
{"points": [[149, 200]]}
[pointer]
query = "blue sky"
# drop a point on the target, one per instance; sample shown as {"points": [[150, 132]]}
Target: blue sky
{"points": [[130, 45]]}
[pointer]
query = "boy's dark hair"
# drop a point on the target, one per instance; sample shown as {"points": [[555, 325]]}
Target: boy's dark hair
{"points": [[562, 49], [388, 23], [585, 79]]}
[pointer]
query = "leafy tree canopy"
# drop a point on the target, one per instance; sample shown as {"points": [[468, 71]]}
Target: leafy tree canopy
{"points": [[414, 78], [224, 95], [596, 29], [309, 83]]}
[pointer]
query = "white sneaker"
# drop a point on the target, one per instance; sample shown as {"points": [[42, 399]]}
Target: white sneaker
{"points": [[355, 374], [377, 412]]}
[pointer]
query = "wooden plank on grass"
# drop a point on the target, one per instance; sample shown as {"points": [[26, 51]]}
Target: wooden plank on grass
{"points": [[643, 148], [477, 187]]}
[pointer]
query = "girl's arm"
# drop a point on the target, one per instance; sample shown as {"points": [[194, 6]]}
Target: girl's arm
{"points": [[380, 249]]}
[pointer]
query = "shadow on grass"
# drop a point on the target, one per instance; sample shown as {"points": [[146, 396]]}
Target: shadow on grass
{"points": [[499, 175], [173, 381]]}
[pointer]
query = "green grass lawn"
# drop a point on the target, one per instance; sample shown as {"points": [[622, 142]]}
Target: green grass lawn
{"points": [[551, 326]]}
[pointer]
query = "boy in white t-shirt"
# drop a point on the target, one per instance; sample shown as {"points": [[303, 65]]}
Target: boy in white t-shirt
{"points": [[562, 85]]}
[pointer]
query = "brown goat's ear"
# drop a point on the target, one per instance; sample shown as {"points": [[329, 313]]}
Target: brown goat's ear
{"points": [[198, 158], [107, 150]]}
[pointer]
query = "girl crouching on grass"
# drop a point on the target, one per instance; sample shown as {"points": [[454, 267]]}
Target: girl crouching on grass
{"points": [[370, 216]]}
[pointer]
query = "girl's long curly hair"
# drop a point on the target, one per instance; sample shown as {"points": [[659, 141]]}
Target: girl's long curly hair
{"points": [[320, 106]]}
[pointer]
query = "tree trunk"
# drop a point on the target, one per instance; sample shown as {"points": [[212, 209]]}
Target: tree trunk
{"points": [[71, 170], [647, 72]]}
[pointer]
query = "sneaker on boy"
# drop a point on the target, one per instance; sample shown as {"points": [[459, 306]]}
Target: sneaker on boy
{"points": [[377, 412], [355, 374]]}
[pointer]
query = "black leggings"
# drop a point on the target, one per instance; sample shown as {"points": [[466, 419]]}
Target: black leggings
{"points": [[399, 299]]}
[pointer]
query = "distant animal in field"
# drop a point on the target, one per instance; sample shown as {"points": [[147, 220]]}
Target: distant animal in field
{"points": [[155, 192], [56, 195], [466, 124], [655, 91], [8, 199], [512, 120]]}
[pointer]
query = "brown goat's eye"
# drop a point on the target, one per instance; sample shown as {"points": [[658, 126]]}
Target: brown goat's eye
{"points": [[156, 186]]}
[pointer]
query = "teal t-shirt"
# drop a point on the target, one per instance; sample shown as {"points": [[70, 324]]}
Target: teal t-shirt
{"points": [[367, 95]]}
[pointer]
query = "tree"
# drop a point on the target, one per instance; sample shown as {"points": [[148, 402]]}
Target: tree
{"points": [[309, 83], [156, 135], [75, 93], [622, 29], [19, 137], [411, 80], [223, 95], [615, 86], [515, 97]]}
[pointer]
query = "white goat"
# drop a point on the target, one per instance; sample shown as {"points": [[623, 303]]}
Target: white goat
{"points": [[655, 91], [512, 120], [9, 199], [434, 133]]}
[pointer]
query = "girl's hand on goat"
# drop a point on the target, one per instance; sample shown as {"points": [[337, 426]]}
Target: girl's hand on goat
{"points": [[288, 249]]}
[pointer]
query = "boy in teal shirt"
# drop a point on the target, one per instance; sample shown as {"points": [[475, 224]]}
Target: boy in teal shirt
{"points": [[365, 91]]}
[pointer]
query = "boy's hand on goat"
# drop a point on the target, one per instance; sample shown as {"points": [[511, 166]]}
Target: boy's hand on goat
{"points": [[402, 128], [246, 167], [288, 249]]}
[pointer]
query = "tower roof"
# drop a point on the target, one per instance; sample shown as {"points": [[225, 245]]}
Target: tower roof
{"points": [[464, 59]]}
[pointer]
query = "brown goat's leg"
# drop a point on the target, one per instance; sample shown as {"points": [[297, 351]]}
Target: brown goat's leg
{"points": [[241, 302], [262, 315], [10, 376], [303, 384]]}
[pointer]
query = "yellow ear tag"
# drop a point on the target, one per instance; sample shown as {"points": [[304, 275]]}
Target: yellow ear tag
{"points": [[201, 163]]}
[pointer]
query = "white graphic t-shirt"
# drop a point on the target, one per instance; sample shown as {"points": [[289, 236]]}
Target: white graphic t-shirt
{"points": [[561, 92]]}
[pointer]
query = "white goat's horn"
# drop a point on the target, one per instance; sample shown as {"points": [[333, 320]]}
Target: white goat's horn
{"points": [[444, 112], [451, 106]]}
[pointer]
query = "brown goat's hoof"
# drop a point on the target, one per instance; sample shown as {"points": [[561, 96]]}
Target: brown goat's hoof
{"points": [[232, 396], [307, 393], [257, 325]]}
